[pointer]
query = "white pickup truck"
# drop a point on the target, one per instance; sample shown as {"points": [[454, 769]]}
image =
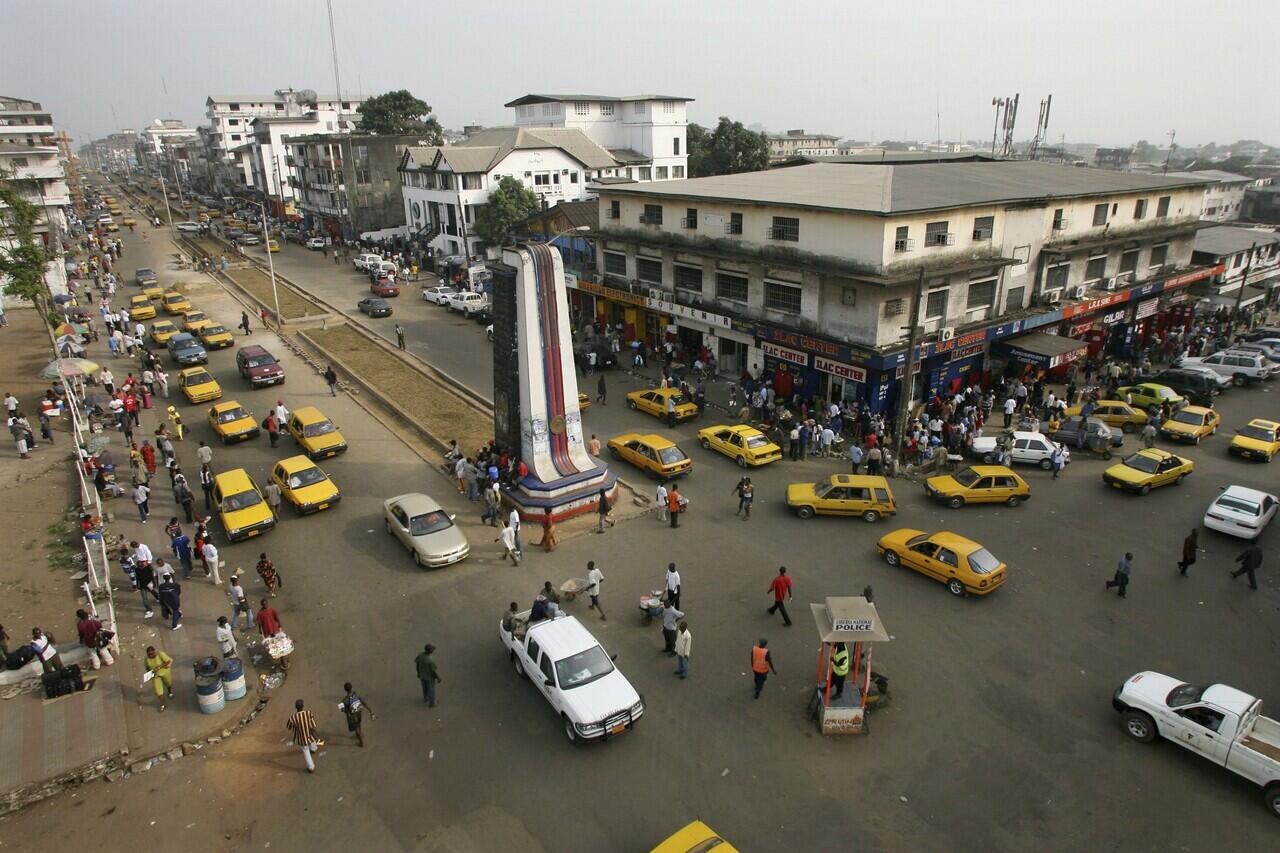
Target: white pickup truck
{"points": [[1219, 722], [571, 669]]}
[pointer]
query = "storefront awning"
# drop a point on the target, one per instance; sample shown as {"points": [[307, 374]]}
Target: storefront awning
{"points": [[1041, 349], [1252, 294]]}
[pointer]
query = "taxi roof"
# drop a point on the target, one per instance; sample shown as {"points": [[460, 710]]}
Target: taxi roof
{"points": [[955, 542], [161, 323], [196, 371], [139, 297], [1264, 423], [234, 481], [992, 470], [169, 294], [296, 463], [1199, 410], [309, 415], [227, 404], [869, 480], [745, 429], [651, 439], [1154, 453], [188, 314]]}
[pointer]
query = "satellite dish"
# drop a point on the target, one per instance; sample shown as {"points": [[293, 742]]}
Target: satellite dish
{"points": [[307, 96]]}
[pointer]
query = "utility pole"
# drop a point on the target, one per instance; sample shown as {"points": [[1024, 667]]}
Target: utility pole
{"points": [[333, 48], [1244, 279], [908, 370], [1173, 134]]}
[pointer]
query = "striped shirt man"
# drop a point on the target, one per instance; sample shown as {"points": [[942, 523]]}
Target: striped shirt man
{"points": [[303, 726]]}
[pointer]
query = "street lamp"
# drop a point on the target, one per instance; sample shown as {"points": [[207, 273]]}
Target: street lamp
{"points": [[164, 192], [271, 266]]}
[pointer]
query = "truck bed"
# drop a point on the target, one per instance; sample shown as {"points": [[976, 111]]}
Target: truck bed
{"points": [[1264, 739]]}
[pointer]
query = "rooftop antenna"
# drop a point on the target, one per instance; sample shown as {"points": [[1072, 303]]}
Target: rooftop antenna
{"points": [[1006, 116], [333, 49], [1173, 134], [1042, 126]]}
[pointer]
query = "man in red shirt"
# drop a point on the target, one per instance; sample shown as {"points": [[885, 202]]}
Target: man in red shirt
{"points": [[781, 589], [269, 620]]}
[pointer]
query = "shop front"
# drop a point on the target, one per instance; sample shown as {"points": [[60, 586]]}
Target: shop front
{"points": [[592, 302], [818, 369], [1031, 354]]}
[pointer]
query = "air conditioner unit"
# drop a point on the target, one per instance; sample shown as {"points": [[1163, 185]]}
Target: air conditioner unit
{"points": [[1051, 297], [946, 333], [1077, 292]]}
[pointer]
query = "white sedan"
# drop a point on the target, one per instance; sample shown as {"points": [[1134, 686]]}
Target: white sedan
{"points": [[438, 294], [188, 227], [1241, 512], [316, 243], [426, 529]]}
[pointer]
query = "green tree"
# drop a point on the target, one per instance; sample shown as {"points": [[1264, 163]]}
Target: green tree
{"points": [[399, 112], [23, 259], [1144, 151], [509, 203], [728, 149]]}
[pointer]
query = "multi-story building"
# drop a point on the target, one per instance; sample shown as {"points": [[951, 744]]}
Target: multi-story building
{"points": [[163, 133], [1262, 204], [445, 186], [807, 273], [348, 185], [230, 135], [1223, 193], [796, 143], [31, 158], [1249, 260], [1114, 159], [644, 133]]}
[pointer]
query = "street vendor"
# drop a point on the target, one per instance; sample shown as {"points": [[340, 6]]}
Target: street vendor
{"points": [[268, 620]]}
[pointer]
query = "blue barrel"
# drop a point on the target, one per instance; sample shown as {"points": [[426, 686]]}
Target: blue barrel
{"points": [[233, 686], [209, 694]]}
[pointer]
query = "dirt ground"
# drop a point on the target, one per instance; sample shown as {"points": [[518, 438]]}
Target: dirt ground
{"points": [[258, 283], [432, 406]]}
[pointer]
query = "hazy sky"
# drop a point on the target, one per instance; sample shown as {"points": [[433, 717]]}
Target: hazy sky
{"points": [[1118, 70]]}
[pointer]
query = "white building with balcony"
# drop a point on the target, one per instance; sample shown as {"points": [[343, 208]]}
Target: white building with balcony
{"points": [[1249, 259], [1223, 193], [644, 133], [24, 122], [31, 159], [445, 186], [797, 143]]}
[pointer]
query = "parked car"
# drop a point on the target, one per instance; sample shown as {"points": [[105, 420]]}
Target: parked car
{"points": [[605, 357], [1241, 366], [293, 235], [316, 243], [473, 308], [1270, 349], [1031, 448], [384, 287], [422, 525], [379, 268], [575, 674], [1078, 431], [361, 262], [1147, 394], [1115, 413], [1223, 382], [437, 293], [1220, 723], [249, 240], [188, 227], [374, 306], [259, 366], [1241, 511]]}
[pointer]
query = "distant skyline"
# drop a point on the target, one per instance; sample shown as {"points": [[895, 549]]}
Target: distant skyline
{"points": [[1118, 71]]}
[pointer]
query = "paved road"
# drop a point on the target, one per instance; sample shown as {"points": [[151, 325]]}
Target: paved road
{"points": [[1000, 733]]}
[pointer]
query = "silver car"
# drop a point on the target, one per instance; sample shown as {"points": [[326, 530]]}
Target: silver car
{"points": [[425, 529]]}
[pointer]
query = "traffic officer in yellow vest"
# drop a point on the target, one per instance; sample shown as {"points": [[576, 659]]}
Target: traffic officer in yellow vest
{"points": [[839, 669]]}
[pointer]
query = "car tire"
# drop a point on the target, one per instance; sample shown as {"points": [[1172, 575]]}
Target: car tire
{"points": [[805, 512], [613, 451], [387, 526], [1013, 500], [871, 516], [1145, 490], [1181, 477], [1139, 726], [1271, 797], [570, 731], [988, 459], [515, 662], [1106, 454], [892, 558], [956, 588], [1046, 464], [1126, 428], [1239, 380], [417, 560], [631, 404], [705, 442], [956, 502], [742, 461]]}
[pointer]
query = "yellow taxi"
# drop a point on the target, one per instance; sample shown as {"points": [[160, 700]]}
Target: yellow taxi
{"points": [[1116, 413], [140, 308], [153, 290], [742, 443], [1146, 470], [192, 321], [271, 246], [231, 221], [202, 217], [695, 837], [962, 564], [863, 495], [317, 435], [111, 224], [175, 302], [584, 402], [128, 221], [241, 508], [215, 336], [199, 385], [653, 401], [1258, 439], [978, 484], [232, 422], [1191, 423], [162, 330], [652, 454], [304, 485]]}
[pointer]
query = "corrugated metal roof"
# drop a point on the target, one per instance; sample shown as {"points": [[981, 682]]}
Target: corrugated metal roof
{"points": [[544, 99], [904, 188], [1223, 240], [1214, 175], [485, 149]]}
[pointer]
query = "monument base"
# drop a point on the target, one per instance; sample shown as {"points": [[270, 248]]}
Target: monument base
{"points": [[566, 497]]}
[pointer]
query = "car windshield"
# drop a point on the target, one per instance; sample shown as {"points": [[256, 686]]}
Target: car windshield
{"points": [[755, 441], [583, 668], [194, 316], [306, 477], [671, 455], [229, 415], [1185, 417], [966, 478], [231, 503], [144, 272], [678, 399], [429, 522], [916, 540], [1145, 464], [1165, 393], [198, 378], [180, 344], [319, 428], [982, 562], [1259, 433], [214, 330], [260, 361], [1238, 504], [1184, 694]]}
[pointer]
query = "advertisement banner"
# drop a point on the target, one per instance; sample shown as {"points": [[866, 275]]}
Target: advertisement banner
{"points": [[844, 371], [785, 354]]}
